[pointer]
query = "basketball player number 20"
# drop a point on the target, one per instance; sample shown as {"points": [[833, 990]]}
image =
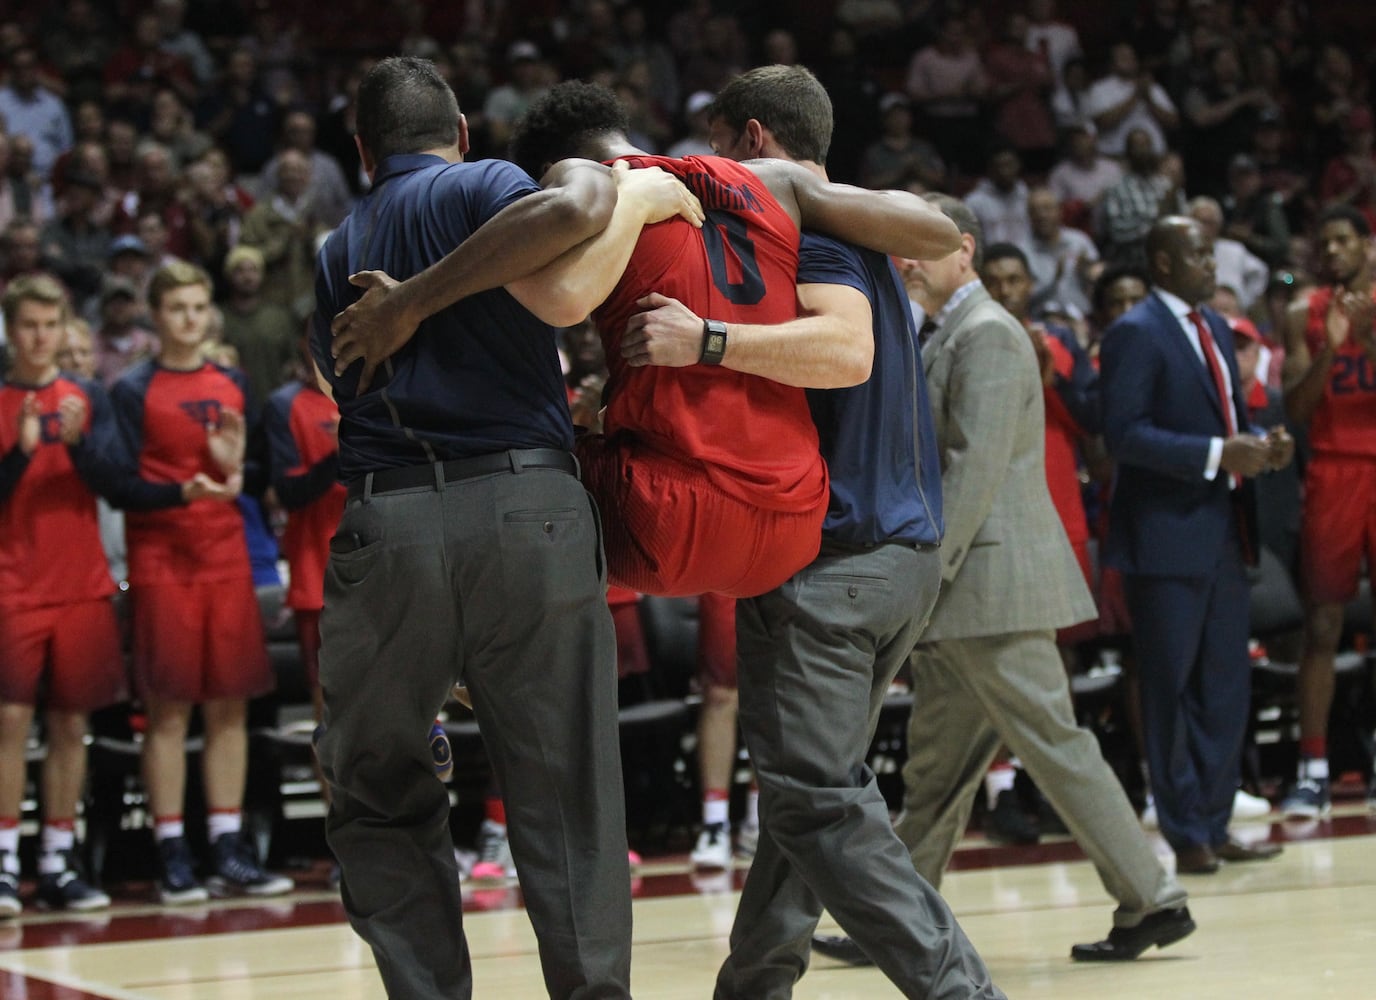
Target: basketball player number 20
{"points": [[725, 230]]}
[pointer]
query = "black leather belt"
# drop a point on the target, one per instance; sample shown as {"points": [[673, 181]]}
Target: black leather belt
{"points": [[418, 476]]}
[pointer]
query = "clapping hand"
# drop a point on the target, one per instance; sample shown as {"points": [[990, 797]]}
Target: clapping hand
{"points": [[72, 419], [1281, 446], [30, 425], [227, 442]]}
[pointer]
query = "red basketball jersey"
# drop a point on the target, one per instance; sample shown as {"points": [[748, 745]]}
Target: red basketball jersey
{"points": [[311, 420], [755, 437], [1345, 421], [163, 416], [50, 551]]}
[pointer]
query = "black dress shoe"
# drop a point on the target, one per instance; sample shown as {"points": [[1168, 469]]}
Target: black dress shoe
{"points": [[843, 949], [1236, 850], [1123, 944], [1007, 824], [1195, 860]]}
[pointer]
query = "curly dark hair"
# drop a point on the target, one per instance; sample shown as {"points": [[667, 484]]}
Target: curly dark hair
{"points": [[562, 122]]}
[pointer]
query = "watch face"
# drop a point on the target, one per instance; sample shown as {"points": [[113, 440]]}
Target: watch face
{"points": [[716, 343]]}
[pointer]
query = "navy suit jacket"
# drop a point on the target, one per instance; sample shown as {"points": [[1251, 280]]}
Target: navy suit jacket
{"points": [[1160, 412]]}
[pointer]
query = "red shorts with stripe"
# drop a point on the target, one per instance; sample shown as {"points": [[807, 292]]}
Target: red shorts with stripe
{"points": [[669, 531], [1338, 526], [201, 641], [717, 641], [74, 646]]}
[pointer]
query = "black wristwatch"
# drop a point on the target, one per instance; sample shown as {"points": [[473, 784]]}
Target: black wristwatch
{"points": [[713, 342]]}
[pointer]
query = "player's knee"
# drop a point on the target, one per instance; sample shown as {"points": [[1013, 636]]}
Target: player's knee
{"points": [[66, 729]]}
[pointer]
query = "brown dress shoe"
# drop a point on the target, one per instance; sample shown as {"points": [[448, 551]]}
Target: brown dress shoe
{"points": [[1235, 850], [1197, 859]]}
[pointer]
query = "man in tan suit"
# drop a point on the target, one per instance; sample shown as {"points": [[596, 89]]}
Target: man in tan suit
{"points": [[987, 671]]}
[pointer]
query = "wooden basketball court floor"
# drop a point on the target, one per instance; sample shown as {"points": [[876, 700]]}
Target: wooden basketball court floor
{"points": [[1298, 927]]}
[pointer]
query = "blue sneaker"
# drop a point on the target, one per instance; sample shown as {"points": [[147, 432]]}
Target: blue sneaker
{"points": [[441, 752], [178, 884], [1309, 799]]}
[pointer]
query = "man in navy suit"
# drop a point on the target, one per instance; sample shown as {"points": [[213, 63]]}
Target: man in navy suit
{"points": [[1181, 529]]}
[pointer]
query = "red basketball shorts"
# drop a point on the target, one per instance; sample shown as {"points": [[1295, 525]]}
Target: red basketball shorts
{"points": [[1338, 526], [668, 530], [200, 641], [75, 645]]}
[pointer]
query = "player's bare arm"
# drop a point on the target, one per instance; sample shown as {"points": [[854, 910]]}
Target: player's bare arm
{"points": [[1305, 375], [892, 222], [829, 346]]}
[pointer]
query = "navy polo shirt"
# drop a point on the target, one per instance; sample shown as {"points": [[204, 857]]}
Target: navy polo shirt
{"points": [[878, 438], [479, 377]]}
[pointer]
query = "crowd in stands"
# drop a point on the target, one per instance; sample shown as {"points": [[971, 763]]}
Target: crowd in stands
{"points": [[219, 133]]}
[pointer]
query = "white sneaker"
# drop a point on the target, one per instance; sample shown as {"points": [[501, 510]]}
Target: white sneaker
{"points": [[713, 848], [494, 852], [1247, 806]]}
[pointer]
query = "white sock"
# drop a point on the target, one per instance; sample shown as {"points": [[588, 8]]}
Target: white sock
{"points": [[999, 778], [221, 822], [55, 842], [716, 811], [168, 829], [9, 839], [1315, 768]]}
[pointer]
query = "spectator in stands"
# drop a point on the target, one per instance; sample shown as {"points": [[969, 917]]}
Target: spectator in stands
{"points": [[1235, 265], [1069, 101], [59, 640], [1057, 41], [214, 208], [23, 251], [1020, 78], [1145, 193], [179, 42], [1083, 176], [1349, 178], [328, 191], [129, 258], [946, 81], [241, 114], [121, 147], [1128, 99], [264, 333], [999, 199], [284, 229], [15, 202], [696, 142], [30, 190], [899, 157], [122, 339], [78, 47], [141, 65], [30, 109], [172, 125], [635, 43], [1059, 258], [76, 243], [197, 631], [527, 79], [1254, 215], [1221, 113], [1336, 94], [157, 190]]}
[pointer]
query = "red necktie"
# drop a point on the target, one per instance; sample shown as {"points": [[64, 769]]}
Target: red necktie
{"points": [[1215, 366]]}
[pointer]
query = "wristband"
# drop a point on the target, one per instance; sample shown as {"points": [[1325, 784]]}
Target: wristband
{"points": [[713, 342]]}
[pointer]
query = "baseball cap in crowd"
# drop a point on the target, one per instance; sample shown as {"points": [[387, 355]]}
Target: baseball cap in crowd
{"points": [[1245, 328], [522, 50], [128, 243], [698, 100], [116, 287], [893, 99]]}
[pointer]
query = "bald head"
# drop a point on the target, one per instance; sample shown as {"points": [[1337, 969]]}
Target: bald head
{"points": [[1180, 258]]}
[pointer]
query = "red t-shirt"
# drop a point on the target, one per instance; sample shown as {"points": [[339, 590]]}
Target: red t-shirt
{"points": [[162, 416], [754, 437], [1344, 424], [311, 418], [50, 551]]}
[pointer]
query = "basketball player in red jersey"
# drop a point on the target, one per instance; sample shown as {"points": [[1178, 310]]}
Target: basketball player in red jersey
{"points": [[198, 634], [708, 475], [1330, 385], [57, 626]]}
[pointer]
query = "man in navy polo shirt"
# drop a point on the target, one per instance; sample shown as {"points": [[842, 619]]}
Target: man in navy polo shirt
{"points": [[469, 549]]}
